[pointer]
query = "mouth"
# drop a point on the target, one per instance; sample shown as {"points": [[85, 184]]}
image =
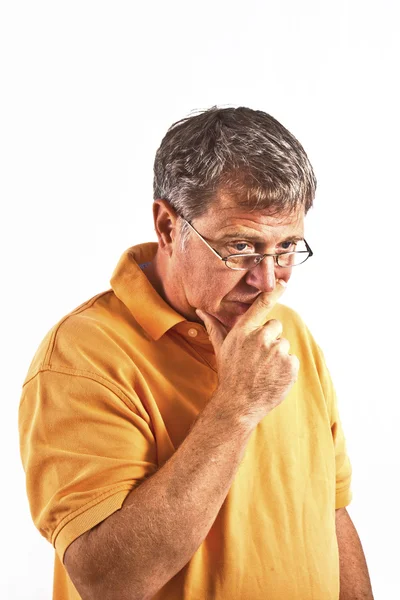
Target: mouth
{"points": [[241, 307], [248, 302]]}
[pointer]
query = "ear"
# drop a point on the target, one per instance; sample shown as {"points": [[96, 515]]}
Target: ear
{"points": [[165, 223]]}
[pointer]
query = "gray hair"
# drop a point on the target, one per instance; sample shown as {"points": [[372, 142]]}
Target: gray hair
{"points": [[243, 152]]}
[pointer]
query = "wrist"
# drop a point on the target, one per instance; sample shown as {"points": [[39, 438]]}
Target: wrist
{"points": [[222, 409]]}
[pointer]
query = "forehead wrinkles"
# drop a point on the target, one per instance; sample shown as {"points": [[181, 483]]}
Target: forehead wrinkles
{"points": [[229, 211], [264, 226], [227, 205]]}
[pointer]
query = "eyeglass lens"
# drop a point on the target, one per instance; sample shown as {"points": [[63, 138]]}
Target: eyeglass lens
{"points": [[289, 259]]}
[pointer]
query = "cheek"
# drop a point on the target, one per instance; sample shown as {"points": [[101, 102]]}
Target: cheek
{"points": [[207, 287]]}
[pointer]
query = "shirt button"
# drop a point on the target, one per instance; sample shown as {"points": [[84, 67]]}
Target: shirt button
{"points": [[192, 332]]}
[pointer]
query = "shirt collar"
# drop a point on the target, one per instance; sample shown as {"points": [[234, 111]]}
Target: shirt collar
{"points": [[132, 287]]}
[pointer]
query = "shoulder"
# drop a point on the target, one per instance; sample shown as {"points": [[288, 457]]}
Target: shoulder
{"points": [[85, 337]]}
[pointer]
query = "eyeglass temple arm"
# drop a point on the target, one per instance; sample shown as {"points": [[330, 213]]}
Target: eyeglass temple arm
{"points": [[203, 240]]}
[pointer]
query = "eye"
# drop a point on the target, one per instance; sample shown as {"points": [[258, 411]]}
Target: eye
{"points": [[289, 245], [239, 247]]}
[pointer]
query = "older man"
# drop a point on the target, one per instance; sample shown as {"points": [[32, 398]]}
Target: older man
{"points": [[180, 432]]}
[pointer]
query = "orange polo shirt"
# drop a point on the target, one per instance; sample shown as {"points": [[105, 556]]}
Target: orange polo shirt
{"points": [[111, 393]]}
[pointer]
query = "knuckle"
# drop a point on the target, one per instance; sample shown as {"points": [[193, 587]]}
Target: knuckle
{"points": [[284, 344], [272, 330], [273, 323], [295, 360], [295, 364], [264, 301]]}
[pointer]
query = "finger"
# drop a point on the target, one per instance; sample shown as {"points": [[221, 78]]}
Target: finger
{"points": [[215, 329], [283, 343], [295, 365], [256, 315], [272, 330]]}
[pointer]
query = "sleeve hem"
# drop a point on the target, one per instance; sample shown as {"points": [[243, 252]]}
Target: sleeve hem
{"points": [[88, 519], [343, 498]]}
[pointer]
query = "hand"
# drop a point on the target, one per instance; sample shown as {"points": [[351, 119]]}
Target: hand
{"points": [[255, 369]]}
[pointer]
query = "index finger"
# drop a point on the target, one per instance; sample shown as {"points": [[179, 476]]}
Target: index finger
{"points": [[256, 315]]}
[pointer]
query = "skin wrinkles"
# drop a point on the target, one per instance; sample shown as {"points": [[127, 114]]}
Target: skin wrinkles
{"points": [[195, 278]]}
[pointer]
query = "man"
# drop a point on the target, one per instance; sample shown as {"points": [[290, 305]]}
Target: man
{"points": [[180, 432]]}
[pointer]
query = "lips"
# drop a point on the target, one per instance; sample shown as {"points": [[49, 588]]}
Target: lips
{"points": [[240, 307]]}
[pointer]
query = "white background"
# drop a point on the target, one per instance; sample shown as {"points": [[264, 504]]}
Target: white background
{"points": [[88, 91]]}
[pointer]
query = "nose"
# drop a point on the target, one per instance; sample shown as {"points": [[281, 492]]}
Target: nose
{"points": [[262, 276]]}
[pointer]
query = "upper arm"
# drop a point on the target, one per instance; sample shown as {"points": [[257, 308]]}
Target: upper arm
{"points": [[342, 520], [78, 569]]}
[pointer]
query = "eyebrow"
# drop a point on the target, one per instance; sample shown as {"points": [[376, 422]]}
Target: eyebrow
{"points": [[256, 238]]}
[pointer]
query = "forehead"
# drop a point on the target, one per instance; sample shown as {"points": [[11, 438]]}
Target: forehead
{"points": [[225, 217]]}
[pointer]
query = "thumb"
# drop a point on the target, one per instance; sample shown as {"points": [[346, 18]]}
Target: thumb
{"points": [[215, 329]]}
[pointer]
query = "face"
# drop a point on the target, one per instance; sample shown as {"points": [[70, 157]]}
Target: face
{"points": [[196, 278]]}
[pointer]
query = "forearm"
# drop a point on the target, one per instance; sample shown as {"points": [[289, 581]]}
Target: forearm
{"points": [[134, 552], [355, 583]]}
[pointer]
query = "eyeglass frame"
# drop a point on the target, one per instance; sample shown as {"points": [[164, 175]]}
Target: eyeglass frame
{"points": [[275, 256]]}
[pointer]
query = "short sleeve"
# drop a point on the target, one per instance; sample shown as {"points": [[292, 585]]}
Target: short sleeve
{"points": [[83, 448], [343, 465]]}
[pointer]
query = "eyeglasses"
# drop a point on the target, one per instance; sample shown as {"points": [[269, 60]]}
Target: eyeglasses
{"points": [[244, 262]]}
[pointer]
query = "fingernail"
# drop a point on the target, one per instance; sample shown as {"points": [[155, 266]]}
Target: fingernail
{"points": [[282, 282]]}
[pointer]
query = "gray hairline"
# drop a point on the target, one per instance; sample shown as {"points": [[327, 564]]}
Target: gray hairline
{"points": [[184, 234]]}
